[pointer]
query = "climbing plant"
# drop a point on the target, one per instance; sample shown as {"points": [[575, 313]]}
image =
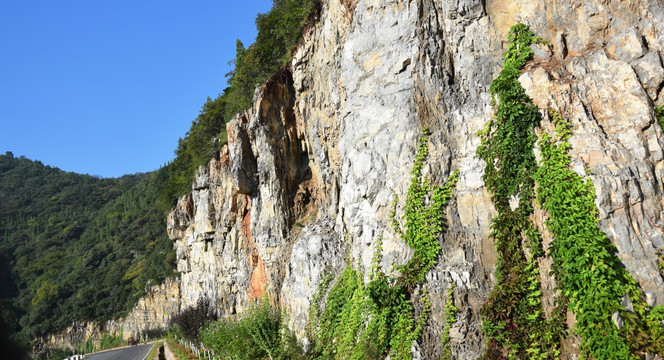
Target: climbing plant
{"points": [[508, 139], [423, 218], [586, 269], [514, 320], [368, 321], [591, 279]]}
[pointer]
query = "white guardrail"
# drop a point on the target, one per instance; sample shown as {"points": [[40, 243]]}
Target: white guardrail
{"points": [[75, 357], [201, 352]]}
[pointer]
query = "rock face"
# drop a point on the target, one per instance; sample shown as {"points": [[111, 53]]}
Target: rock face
{"points": [[310, 171], [313, 167], [153, 311]]}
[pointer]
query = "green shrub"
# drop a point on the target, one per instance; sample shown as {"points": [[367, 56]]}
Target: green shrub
{"points": [[58, 354], [259, 333], [108, 341]]}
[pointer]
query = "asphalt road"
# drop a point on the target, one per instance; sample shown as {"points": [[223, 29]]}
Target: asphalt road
{"points": [[138, 352]]}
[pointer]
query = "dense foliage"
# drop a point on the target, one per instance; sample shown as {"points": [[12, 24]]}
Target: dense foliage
{"points": [[259, 333], [514, 320], [192, 319], [278, 31], [76, 247], [586, 268]]}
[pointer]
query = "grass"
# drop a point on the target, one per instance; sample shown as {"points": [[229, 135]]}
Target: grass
{"points": [[154, 353]]}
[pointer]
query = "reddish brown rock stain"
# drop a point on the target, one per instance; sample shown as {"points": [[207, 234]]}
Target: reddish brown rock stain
{"points": [[258, 279]]}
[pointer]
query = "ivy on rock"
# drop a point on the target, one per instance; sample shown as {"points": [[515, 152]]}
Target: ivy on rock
{"points": [[514, 319], [591, 280], [585, 265], [370, 321]]}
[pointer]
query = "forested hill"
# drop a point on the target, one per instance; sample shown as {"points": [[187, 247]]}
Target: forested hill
{"points": [[76, 247]]}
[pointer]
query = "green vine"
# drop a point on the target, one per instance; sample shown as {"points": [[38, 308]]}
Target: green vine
{"points": [[376, 258], [393, 215], [342, 316], [424, 219], [659, 114], [314, 306], [586, 269], [507, 140], [373, 320], [450, 319], [514, 320], [591, 279]]}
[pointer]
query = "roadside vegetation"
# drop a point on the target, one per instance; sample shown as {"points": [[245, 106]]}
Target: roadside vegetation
{"points": [[157, 351]]}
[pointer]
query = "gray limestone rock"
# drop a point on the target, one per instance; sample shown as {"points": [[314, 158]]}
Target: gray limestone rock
{"points": [[627, 46], [650, 72], [243, 162]]}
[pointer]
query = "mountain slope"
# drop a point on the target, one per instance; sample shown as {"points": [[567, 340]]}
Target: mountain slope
{"points": [[76, 247]]}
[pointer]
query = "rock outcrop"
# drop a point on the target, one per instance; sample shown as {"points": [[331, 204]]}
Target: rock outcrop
{"points": [[314, 165], [153, 311], [310, 171]]}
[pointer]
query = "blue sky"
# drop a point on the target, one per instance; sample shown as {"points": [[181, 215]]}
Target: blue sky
{"points": [[106, 87]]}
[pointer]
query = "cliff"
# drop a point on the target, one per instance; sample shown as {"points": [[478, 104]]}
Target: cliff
{"points": [[311, 170]]}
